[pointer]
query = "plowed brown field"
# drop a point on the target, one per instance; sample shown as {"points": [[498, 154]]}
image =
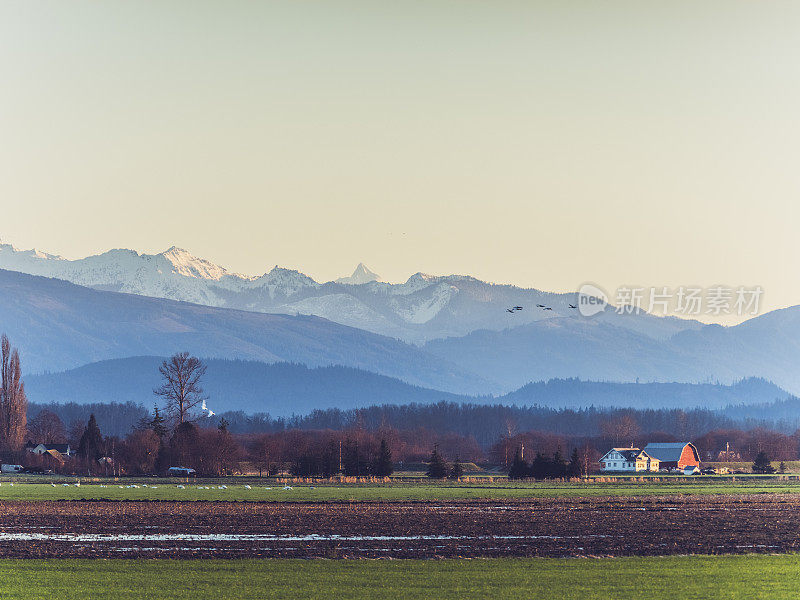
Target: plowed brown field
{"points": [[541, 527]]}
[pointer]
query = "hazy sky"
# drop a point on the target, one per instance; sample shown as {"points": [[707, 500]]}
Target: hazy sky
{"points": [[543, 144]]}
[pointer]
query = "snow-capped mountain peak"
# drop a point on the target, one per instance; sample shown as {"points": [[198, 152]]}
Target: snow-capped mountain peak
{"points": [[416, 282], [282, 283], [8, 250], [186, 264], [362, 274]]}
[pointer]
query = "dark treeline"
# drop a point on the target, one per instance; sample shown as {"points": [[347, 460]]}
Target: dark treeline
{"points": [[113, 418], [156, 443], [577, 393], [545, 466], [154, 446], [486, 423]]}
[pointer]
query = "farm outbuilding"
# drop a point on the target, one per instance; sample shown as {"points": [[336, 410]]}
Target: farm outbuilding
{"points": [[674, 455]]}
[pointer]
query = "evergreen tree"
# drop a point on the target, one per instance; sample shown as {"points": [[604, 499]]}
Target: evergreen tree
{"points": [[574, 466], [519, 468], [383, 466], [457, 470], [540, 467], [558, 466], [782, 467], [762, 464], [225, 451], [438, 467], [330, 459], [90, 446], [157, 423], [354, 458], [184, 446]]}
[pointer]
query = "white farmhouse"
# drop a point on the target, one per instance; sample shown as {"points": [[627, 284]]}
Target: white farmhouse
{"points": [[62, 449], [628, 459]]}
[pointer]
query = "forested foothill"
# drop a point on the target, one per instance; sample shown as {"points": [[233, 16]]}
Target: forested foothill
{"points": [[440, 439]]}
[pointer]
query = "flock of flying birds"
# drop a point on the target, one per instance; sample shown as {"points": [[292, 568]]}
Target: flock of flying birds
{"points": [[514, 309]]}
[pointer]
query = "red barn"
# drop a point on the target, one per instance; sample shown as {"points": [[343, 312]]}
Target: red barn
{"points": [[674, 455]]}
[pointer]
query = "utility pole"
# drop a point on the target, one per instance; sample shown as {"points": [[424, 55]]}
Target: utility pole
{"points": [[340, 456]]}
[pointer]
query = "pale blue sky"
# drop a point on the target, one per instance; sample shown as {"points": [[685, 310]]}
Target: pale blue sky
{"points": [[544, 144]]}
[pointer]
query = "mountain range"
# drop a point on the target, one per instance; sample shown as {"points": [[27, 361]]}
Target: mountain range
{"points": [[766, 346], [423, 308], [450, 334], [58, 325]]}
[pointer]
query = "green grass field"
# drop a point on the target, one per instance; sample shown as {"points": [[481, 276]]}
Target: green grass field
{"points": [[389, 492], [678, 577]]}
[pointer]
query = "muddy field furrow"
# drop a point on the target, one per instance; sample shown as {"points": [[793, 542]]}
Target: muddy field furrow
{"points": [[541, 527]]}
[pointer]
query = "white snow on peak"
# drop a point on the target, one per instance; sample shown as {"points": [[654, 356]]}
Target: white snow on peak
{"points": [[9, 251], [361, 275], [283, 282], [415, 283], [188, 265], [423, 308]]}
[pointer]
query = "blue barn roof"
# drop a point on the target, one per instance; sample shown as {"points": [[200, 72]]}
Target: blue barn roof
{"points": [[670, 451]]}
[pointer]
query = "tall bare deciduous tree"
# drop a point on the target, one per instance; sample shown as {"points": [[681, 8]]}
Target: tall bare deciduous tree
{"points": [[181, 389], [13, 402]]}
